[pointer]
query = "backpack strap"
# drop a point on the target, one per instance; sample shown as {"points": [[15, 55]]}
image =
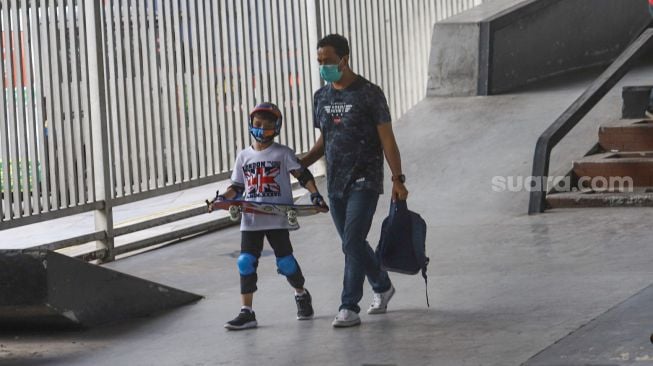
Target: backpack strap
{"points": [[426, 282], [400, 205]]}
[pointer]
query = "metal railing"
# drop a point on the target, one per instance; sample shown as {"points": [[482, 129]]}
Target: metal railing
{"points": [[570, 118], [111, 102]]}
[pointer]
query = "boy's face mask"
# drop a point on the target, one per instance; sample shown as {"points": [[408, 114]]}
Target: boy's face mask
{"points": [[331, 73], [263, 134]]}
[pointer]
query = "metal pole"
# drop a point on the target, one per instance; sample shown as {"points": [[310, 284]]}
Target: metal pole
{"points": [[101, 163]]}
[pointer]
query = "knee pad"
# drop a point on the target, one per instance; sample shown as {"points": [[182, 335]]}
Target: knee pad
{"points": [[247, 264], [287, 265]]}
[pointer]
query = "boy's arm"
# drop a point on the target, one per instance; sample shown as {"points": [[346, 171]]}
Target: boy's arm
{"points": [[232, 192]]}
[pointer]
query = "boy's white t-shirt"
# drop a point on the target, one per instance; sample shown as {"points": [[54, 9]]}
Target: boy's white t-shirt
{"points": [[266, 178]]}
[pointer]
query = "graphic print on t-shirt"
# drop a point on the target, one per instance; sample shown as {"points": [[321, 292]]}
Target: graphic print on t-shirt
{"points": [[260, 178], [336, 110]]}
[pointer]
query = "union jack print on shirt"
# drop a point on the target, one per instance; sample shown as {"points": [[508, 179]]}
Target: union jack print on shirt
{"points": [[260, 178]]}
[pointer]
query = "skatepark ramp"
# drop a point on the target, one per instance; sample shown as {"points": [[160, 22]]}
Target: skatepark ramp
{"points": [[506, 44], [44, 289]]}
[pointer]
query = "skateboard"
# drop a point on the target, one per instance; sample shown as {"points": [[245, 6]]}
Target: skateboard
{"points": [[290, 211]]}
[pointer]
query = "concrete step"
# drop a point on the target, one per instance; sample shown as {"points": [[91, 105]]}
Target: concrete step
{"points": [[639, 197], [612, 167], [627, 135]]}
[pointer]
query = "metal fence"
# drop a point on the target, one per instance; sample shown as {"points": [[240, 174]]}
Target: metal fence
{"points": [[390, 41], [164, 104]]}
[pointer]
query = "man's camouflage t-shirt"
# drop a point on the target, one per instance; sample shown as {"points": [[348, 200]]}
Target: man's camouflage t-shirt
{"points": [[348, 120]]}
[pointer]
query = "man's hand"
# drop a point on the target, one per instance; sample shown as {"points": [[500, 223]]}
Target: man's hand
{"points": [[399, 191], [318, 200]]}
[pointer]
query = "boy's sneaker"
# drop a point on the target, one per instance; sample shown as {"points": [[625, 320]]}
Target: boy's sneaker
{"points": [[346, 318], [649, 112], [246, 319], [304, 306], [380, 301]]}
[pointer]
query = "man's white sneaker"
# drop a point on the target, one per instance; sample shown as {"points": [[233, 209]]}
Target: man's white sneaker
{"points": [[380, 301], [346, 318]]}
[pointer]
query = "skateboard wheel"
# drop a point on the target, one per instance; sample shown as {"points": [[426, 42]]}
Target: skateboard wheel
{"points": [[234, 213], [292, 217]]}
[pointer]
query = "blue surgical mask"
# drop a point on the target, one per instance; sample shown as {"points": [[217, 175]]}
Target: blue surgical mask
{"points": [[262, 134], [330, 73]]}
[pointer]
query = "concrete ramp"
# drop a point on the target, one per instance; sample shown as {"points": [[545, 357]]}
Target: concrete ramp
{"points": [[44, 289], [503, 45]]}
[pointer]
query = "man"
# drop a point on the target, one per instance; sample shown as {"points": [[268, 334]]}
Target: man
{"points": [[354, 119]]}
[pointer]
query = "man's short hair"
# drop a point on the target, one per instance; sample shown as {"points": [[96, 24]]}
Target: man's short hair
{"points": [[338, 42]]}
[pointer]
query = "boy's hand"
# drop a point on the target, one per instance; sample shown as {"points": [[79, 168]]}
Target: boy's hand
{"points": [[318, 200], [219, 197]]}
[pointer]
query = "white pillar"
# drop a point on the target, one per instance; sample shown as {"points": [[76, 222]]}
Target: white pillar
{"points": [[100, 138]]}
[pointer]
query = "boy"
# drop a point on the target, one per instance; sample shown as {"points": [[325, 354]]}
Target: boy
{"points": [[261, 174]]}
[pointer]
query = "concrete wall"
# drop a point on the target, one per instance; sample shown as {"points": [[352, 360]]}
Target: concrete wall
{"points": [[505, 44]]}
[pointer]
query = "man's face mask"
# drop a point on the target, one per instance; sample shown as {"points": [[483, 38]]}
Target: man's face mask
{"points": [[331, 73]]}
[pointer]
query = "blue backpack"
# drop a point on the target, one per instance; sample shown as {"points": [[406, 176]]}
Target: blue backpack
{"points": [[402, 246]]}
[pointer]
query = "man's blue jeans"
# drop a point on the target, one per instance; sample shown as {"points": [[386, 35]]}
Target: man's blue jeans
{"points": [[352, 215]]}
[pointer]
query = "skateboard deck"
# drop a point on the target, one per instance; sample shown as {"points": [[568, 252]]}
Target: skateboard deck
{"points": [[290, 211]]}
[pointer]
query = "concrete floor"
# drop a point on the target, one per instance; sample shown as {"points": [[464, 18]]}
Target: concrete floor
{"points": [[503, 285]]}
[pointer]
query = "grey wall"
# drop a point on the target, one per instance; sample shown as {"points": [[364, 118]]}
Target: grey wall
{"points": [[505, 44], [453, 64]]}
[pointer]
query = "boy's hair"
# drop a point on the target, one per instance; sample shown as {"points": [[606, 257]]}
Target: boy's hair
{"points": [[268, 116], [338, 42]]}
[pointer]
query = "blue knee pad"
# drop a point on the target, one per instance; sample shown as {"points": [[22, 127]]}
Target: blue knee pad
{"points": [[246, 264], [287, 265]]}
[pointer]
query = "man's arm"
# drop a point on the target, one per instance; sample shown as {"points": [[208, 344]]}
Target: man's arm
{"points": [[392, 155], [316, 197], [316, 152]]}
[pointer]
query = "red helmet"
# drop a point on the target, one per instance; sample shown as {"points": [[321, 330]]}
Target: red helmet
{"points": [[260, 134]]}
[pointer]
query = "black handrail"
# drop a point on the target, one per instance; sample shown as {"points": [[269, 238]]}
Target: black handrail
{"points": [[570, 118]]}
